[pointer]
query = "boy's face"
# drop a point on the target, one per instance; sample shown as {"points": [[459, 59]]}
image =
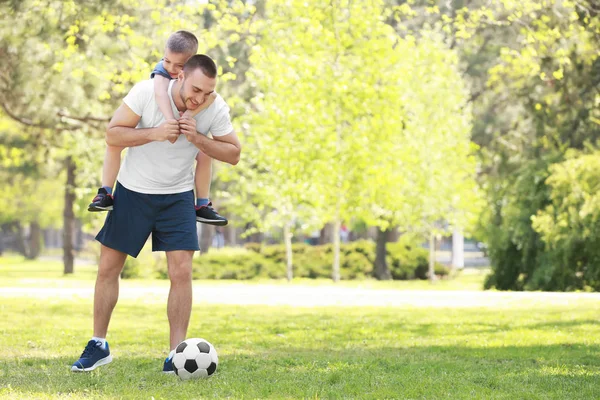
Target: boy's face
{"points": [[195, 88], [173, 62]]}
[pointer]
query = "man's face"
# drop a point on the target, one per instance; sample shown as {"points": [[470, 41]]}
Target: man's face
{"points": [[195, 88], [173, 62]]}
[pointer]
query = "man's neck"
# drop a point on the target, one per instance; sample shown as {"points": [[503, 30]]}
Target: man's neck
{"points": [[175, 88]]}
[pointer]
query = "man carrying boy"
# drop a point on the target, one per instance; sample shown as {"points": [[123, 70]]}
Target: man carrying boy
{"points": [[180, 46], [154, 194]]}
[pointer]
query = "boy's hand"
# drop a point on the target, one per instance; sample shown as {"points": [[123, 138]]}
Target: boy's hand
{"points": [[187, 126], [168, 130]]}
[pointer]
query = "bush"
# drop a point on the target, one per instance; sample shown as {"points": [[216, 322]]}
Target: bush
{"points": [[356, 261], [543, 230], [145, 265], [406, 256], [570, 226], [236, 265], [422, 271], [132, 268], [515, 248]]}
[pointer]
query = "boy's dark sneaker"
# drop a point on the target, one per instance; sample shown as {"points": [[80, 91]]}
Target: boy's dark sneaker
{"points": [[102, 202], [208, 215], [93, 356], [168, 366]]}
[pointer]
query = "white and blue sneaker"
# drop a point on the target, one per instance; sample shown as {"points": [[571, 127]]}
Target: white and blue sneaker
{"points": [[168, 366], [93, 356]]}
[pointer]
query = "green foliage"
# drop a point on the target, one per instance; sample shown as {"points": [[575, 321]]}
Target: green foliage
{"points": [[570, 226], [351, 119], [408, 260], [406, 257], [68, 64], [515, 248], [235, 265], [537, 99], [132, 269]]}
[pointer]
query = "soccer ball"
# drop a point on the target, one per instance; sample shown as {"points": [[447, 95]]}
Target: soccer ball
{"points": [[195, 358]]}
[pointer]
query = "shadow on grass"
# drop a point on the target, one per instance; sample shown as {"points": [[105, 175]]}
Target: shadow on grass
{"points": [[549, 372], [478, 327]]}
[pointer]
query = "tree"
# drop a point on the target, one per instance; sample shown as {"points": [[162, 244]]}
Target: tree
{"points": [[327, 134], [26, 197], [68, 64]]}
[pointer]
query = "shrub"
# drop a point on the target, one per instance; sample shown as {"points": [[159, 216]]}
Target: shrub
{"points": [[356, 261], [236, 265]]}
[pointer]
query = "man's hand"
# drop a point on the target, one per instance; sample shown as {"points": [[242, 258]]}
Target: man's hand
{"points": [[168, 130], [187, 126]]}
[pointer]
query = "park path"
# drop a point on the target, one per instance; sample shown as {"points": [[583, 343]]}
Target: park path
{"points": [[310, 296]]}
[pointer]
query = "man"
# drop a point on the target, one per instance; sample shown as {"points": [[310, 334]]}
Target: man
{"points": [[154, 194]]}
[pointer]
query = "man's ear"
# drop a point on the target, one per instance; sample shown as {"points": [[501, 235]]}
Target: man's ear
{"points": [[180, 77]]}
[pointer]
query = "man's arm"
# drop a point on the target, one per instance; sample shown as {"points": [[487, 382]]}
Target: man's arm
{"points": [[121, 130], [226, 148]]}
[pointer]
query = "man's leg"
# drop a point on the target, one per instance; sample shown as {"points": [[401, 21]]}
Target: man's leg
{"points": [[97, 352], [179, 306], [107, 288]]}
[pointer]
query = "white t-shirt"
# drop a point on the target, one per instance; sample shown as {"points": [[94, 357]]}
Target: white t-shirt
{"points": [[165, 167]]}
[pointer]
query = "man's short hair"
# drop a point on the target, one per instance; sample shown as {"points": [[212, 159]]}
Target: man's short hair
{"points": [[183, 42], [202, 61]]}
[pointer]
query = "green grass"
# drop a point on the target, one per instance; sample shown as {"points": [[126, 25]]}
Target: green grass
{"points": [[525, 351]]}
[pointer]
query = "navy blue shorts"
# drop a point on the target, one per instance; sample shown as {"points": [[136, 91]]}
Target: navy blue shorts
{"points": [[171, 218]]}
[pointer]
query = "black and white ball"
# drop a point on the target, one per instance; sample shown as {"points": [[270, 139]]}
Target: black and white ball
{"points": [[195, 358]]}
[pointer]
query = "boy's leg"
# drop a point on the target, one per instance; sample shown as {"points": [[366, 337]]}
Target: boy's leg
{"points": [[204, 211], [112, 162]]}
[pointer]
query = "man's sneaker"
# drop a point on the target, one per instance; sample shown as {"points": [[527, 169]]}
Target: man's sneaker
{"points": [[102, 202], [208, 215], [168, 366], [93, 356]]}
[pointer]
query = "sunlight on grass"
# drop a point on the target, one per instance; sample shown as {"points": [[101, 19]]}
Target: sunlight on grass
{"points": [[300, 352], [501, 352]]}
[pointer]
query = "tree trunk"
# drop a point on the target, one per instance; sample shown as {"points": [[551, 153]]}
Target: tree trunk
{"points": [[230, 233], [35, 241], [20, 242], [206, 236], [458, 250], [336, 250], [394, 235], [431, 257], [382, 271], [287, 238], [69, 218]]}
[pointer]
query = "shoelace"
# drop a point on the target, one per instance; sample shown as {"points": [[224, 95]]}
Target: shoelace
{"points": [[90, 348]]}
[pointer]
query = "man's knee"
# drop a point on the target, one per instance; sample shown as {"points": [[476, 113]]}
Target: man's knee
{"points": [[180, 272], [111, 262], [180, 266]]}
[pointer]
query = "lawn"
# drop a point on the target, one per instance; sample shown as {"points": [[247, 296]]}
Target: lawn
{"points": [[524, 351]]}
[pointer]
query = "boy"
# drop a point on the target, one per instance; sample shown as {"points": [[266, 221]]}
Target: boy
{"points": [[180, 46]]}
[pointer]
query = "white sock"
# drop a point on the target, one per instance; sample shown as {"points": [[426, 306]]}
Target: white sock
{"points": [[171, 354], [101, 340]]}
